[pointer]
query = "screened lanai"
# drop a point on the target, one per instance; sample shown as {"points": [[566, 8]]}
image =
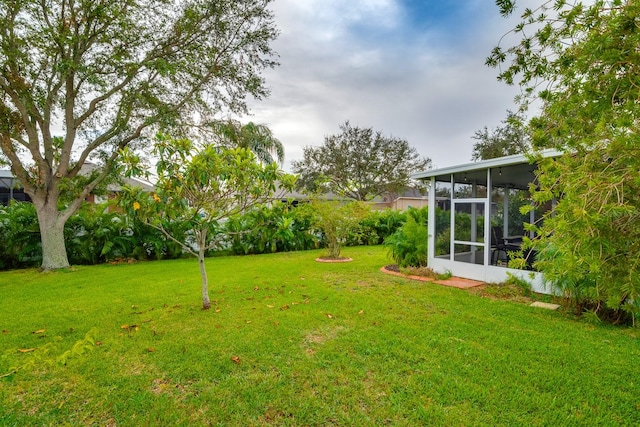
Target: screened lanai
{"points": [[473, 233]]}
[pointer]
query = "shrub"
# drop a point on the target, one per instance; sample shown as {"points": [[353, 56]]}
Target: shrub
{"points": [[95, 235], [408, 246], [375, 227], [20, 236], [337, 221], [277, 228]]}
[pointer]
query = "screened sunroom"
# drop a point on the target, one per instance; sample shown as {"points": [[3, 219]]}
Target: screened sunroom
{"points": [[480, 224]]}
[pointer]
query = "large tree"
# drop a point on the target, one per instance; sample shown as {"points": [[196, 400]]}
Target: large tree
{"points": [[360, 164], [583, 62], [103, 73], [509, 138]]}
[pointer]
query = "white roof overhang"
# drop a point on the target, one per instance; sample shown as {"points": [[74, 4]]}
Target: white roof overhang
{"points": [[516, 171]]}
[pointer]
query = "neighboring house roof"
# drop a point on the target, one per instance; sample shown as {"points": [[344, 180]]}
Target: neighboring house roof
{"points": [[89, 167], [86, 169]]}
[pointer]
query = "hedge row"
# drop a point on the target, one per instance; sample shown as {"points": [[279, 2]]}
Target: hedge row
{"points": [[95, 235]]}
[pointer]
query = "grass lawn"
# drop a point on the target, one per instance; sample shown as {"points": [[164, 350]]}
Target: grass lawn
{"points": [[290, 341]]}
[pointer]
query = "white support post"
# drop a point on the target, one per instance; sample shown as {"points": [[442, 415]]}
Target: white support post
{"points": [[505, 212], [487, 221], [474, 222], [452, 228], [431, 226]]}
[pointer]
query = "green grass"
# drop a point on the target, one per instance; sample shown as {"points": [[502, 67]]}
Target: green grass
{"points": [[318, 344]]}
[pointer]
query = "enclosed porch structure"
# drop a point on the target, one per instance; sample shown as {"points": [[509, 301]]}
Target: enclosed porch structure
{"points": [[479, 224]]}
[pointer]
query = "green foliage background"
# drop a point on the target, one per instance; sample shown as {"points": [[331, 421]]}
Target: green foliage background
{"points": [[97, 235]]}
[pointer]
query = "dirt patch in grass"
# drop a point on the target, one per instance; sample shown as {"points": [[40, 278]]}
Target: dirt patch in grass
{"points": [[420, 271], [498, 291], [317, 338]]}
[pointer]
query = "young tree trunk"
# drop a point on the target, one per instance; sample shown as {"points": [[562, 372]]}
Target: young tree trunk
{"points": [[206, 302], [54, 251], [334, 248]]}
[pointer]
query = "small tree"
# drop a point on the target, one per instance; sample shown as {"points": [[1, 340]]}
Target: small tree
{"points": [[359, 164], [337, 219], [201, 190]]}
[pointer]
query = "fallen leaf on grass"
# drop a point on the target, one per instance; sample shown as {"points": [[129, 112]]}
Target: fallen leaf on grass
{"points": [[361, 312], [26, 350], [285, 307], [151, 350], [256, 288], [270, 306], [39, 331], [130, 327], [235, 359], [330, 316], [217, 310], [98, 343], [5, 331]]}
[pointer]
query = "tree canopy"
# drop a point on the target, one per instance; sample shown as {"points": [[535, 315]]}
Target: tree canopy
{"points": [[104, 73], [360, 164], [509, 138], [582, 61]]}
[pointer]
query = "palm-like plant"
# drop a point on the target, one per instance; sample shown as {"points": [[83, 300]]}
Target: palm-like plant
{"points": [[257, 138], [19, 235]]}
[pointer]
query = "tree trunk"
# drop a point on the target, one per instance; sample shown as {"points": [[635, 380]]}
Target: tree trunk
{"points": [[54, 251], [206, 302], [334, 248]]}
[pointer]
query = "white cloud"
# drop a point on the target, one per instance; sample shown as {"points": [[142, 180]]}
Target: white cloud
{"points": [[359, 61]]}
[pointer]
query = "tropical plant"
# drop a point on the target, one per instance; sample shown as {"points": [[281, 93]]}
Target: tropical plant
{"points": [[375, 227], [257, 138], [277, 228], [95, 235], [409, 245], [19, 235]]}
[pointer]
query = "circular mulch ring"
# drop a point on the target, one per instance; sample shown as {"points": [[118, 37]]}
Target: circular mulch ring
{"points": [[329, 259]]}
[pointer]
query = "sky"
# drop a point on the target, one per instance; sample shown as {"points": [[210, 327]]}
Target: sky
{"points": [[412, 69]]}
